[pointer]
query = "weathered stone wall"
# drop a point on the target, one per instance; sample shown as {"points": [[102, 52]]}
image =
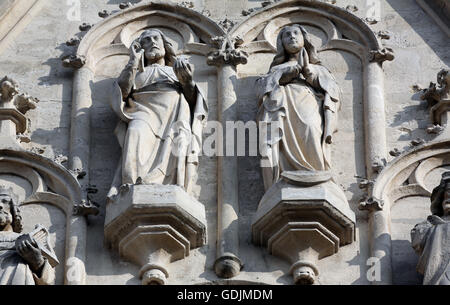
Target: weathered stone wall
{"points": [[421, 50]]}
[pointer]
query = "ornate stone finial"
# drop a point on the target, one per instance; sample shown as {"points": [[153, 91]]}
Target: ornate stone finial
{"points": [[438, 96], [226, 52], [381, 55], [371, 204], [226, 24], [73, 61]]}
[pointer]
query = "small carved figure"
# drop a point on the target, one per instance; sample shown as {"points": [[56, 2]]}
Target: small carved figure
{"points": [[431, 238], [21, 259], [302, 97], [162, 112], [441, 91]]}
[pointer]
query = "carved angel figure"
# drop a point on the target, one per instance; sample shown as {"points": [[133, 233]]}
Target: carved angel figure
{"points": [[300, 98], [161, 113]]}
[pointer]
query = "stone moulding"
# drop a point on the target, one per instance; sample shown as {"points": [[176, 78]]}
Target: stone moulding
{"points": [[154, 225]]}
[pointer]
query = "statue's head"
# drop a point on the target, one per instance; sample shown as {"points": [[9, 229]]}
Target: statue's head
{"points": [[8, 88], [156, 46], [291, 40], [443, 78], [440, 204], [9, 211]]}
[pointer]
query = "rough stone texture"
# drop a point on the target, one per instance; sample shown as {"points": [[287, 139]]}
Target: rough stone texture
{"points": [[421, 50]]}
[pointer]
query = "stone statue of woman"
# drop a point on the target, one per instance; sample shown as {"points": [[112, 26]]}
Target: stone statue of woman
{"points": [[299, 101], [161, 113]]}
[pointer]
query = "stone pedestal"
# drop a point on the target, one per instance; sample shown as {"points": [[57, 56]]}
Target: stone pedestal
{"points": [[154, 225], [303, 223]]}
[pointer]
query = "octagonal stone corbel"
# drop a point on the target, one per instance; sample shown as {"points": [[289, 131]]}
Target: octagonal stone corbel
{"points": [[154, 225], [303, 223]]}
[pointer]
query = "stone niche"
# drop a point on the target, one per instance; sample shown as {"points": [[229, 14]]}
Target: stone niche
{"points": [[154, 225]]}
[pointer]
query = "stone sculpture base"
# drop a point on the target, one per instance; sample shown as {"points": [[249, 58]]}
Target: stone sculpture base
{"points": [[154, 225], [303, 223]]}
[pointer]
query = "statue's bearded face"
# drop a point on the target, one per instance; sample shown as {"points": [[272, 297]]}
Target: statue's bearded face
{"points": [[292, 39], [446, 207], [5, 211], [153, 45]]}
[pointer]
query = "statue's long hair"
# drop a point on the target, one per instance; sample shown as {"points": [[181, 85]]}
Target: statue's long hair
{"points": [[281, 55], [170, 56], [17, 224]]}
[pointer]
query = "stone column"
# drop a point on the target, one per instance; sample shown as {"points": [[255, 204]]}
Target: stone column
{"points": [[376, 154], [76, 251], [226, 58], [79, 163]]}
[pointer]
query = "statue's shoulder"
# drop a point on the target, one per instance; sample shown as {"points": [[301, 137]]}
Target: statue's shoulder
{"points": [[8, 237]]}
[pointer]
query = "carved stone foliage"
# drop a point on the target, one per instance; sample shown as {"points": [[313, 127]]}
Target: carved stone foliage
{"points": [[227, 52]]}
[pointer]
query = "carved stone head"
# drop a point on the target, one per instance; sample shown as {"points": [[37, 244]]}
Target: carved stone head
{"points": [[440, 197], [443, 79], [9, 210], [291, 39], [8, 88], [156, 46]]}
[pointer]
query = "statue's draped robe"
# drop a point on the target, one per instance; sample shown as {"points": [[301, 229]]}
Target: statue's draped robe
{"points": [[14, 270], [431, 239], [157, 112], [291, 121]]}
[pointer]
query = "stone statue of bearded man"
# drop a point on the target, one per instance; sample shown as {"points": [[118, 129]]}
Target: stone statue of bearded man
{"points": [[161, 113]]}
